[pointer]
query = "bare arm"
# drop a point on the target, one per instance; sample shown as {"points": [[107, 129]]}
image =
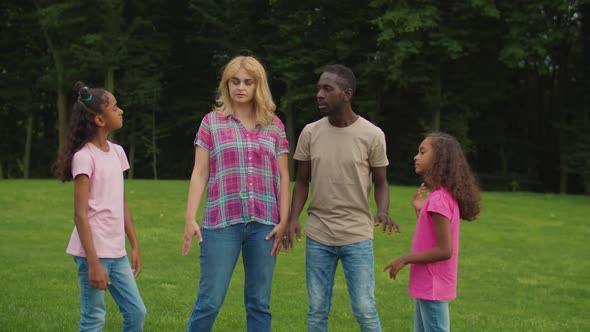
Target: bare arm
{"points": [[97, 276], [199, 179], [382, 199], [443, 250], [300, 192], [279, 230], [130, 231], [285, 191]]}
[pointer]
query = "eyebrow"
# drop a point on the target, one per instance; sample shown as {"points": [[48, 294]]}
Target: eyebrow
{"points": [[237, 78]]}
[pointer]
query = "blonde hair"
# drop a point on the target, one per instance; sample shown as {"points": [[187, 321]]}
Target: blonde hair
{"points": [[263, 103]]}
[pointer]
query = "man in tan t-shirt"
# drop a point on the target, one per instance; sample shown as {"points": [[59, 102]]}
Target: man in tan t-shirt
{"points": [[342, 155]]}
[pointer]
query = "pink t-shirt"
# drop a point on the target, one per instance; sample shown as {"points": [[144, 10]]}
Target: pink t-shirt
{"points": [[106, 215], [435, 281]]}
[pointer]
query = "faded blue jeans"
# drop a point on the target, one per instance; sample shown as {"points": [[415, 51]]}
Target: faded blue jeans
{"points": [[220, 250], [357, 261], [123, 289], [431, 316]]}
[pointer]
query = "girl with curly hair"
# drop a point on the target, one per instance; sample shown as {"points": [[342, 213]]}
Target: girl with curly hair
{"points": [[454, 195]]}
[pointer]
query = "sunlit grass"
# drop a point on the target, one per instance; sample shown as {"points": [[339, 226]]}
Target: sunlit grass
{"points": [[524, 265]]}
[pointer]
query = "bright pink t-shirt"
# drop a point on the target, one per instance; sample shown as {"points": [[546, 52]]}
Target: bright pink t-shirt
{"points": [[106, 215], [435, 281]]}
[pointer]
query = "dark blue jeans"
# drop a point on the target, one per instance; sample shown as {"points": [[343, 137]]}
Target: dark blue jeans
{"points": [[220, 250]]}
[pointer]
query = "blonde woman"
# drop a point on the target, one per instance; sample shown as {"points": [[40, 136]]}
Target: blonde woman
{"points": [[241, 157]]}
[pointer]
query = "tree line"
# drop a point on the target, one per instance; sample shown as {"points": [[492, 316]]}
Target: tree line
{"points": [[509, 79]]}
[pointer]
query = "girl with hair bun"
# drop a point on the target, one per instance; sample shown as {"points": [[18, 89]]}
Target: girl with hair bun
{"points": [[101, 215]]}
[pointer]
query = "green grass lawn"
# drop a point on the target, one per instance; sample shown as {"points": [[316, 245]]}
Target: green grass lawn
{"points": [[523, 266]]}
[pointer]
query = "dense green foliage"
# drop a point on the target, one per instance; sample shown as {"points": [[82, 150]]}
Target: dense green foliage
{"points": [[510, 79]]}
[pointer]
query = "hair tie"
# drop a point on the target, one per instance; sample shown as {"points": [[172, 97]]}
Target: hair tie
{"points": [[87, 99]]}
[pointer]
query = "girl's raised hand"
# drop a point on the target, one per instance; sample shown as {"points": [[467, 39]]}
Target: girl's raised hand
{"points": [[191, 228], [418, 199], [395, 266]]}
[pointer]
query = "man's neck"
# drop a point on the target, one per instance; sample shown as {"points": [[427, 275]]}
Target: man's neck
{"points": [[343, 118]]}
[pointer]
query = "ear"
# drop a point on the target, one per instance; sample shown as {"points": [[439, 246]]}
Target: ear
{"points": [[347, 94], [99, 121]]}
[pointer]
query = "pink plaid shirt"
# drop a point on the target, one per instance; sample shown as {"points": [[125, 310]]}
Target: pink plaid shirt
{"points": [[244, 180]]}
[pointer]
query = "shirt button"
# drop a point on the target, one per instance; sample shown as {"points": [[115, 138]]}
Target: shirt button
{"points": [[249, 158], [250, 183]]}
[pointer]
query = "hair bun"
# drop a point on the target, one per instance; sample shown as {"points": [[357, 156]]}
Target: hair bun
{"points": [[82, 91]]}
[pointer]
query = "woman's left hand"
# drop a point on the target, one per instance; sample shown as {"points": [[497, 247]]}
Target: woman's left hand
{"points": [[278, 232]]}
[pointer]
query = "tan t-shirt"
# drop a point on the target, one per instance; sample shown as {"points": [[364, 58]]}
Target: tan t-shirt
{"points": [[341, 161]]}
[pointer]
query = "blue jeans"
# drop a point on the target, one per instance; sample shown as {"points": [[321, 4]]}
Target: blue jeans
{"points": [[431, 316], [123, 289], [357, 261], [220, 250]]}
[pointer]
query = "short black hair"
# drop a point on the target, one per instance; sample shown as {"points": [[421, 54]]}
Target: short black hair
{"points": [[345, 74]]}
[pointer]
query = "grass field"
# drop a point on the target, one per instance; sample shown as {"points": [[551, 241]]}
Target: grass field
{"points": [[524, 266]]}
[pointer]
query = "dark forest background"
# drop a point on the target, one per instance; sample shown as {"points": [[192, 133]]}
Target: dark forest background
{"points": [[510, 79]]}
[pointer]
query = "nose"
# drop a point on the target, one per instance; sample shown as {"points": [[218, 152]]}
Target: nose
{"points": [[320, 94], [415, 157]]}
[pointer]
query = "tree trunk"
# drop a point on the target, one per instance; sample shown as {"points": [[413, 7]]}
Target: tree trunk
{"points": [[62, 116], [584, 116], [435, 98], [559, 112], [154, 147], [28, 144], [109, 80], [109, 85], [62, 111], [113, 30], [291, 139], [132, 135]]}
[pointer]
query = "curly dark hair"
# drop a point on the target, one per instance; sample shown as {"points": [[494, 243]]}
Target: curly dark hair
{"points": [[88, 104], [451, 171]]}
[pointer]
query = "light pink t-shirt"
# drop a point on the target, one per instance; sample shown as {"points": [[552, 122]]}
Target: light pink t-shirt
{"points": [[106, 214], [435, 281]]}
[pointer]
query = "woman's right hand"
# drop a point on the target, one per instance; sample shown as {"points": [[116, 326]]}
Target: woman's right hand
{"points": [[417, 199], [191, 228], [98, 277]]}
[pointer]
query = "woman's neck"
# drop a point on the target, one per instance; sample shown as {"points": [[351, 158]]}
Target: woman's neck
{"points": [[244, 110], [246, 114]]}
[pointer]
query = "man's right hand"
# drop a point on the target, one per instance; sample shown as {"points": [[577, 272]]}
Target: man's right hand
{"points": [[293, 229]]}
